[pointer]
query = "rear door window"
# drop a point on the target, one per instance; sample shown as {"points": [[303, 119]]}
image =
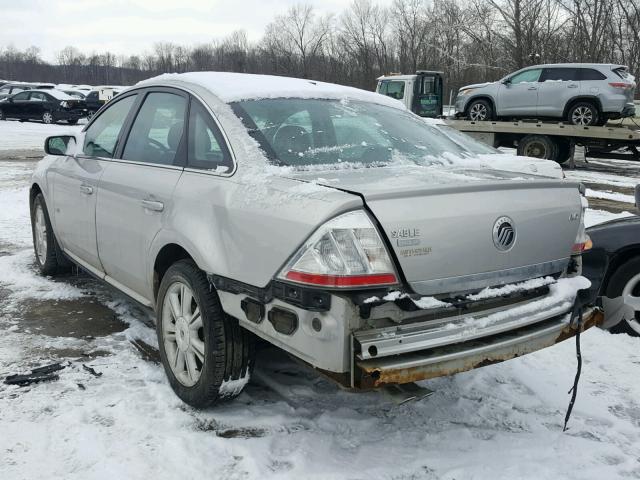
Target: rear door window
{"points": [[37, 97], [559, 75], [156, 133], [207, 148], [591, 74], [102, 135]]}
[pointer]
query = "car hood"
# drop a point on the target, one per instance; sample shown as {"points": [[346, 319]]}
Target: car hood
{"points": [[478, 85]]}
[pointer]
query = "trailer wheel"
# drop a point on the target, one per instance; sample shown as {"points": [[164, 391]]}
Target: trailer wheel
{"points": [[538, 146], [564, 151]]}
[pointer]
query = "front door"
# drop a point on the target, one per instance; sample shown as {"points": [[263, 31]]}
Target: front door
{"points": [[519, 96], [15, 107], [75, 184], [136, 190]]}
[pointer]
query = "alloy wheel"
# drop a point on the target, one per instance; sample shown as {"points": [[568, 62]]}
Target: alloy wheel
{"points": [[183, 333], [582, 116], [47, 117], [478, 112], [40, 228], [631, 297]]}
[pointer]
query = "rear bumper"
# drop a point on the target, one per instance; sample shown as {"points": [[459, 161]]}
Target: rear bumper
{"points": [[468, 355]]}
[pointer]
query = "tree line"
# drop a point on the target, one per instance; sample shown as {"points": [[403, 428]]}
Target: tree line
{"points": [[470, 40]]}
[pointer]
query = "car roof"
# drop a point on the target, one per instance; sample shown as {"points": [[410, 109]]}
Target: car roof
{"points": [[231, 87], [577, 65]]}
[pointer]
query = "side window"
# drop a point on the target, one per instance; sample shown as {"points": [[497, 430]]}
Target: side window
{"points": [[101, 137], [559, 75], [21, 96], [395, 89], [207, 149], [591, 74], [37, 97], [527, 76], [156, 133]]}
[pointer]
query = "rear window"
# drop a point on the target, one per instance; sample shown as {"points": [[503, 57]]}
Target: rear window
{"points": [[591, 74], [303, 132], [623, 73]]}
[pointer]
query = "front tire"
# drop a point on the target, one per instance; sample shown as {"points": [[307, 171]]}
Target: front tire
{"points": [[584, 114], [480, 111], [626, 281], [200, 346], [48, 255]]}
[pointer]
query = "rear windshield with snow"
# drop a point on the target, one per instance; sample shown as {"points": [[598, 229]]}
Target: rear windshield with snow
{"points": [[301, 132]]}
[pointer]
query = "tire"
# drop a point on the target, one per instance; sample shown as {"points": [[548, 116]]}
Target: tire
{"points": [[538, 146], [1, 115], [201, 353], [626, 277], [563, 151], [72, 122], [48, 118], [49, 257], [479, 110], [584, 114]]}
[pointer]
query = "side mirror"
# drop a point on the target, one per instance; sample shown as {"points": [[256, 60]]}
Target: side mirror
{"points": [[59, 145], [506, 81]]}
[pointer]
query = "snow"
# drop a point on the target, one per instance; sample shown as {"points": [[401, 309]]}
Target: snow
{"points": [[608, 195], [16, 135], [423, 303], [233, 87], [594, 217], [493, 292], [58, 94]]}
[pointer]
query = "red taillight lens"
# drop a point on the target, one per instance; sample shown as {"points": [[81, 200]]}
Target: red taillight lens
{"points": [[620, 85], [341, 281], [582, 246]]}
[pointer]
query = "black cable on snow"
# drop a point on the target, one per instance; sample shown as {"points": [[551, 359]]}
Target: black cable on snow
{"points": [[574, 390]]}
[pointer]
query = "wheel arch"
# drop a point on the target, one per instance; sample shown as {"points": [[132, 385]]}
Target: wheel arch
{"points": [[166, 256], [616, 261], [481, 96], [582, 98]]}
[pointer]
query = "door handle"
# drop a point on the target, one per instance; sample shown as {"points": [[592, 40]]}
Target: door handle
{"points": [[573, 85], [532, 88], [153, 205], [86, 189]]}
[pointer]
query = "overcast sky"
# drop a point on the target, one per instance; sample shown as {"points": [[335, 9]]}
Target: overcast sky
{"points": [[133, 26]]}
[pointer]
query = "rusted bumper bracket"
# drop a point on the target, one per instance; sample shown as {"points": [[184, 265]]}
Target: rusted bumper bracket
{"points": [[460, 357]]}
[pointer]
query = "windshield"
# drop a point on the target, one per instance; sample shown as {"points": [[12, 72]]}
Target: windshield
{"points": [[301, 132], [467, 142]]}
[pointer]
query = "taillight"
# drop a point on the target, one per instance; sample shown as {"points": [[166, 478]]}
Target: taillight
{"points": [[64, 104], [345, 252], [622, 85], [582, 242]]}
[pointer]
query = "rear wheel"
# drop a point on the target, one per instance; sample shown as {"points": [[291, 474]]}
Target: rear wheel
{"points": [[538, 146], [49, 258], [480, 110], [47, 117], [206, 355], [625, 282], [1, 114], [583, 114]]}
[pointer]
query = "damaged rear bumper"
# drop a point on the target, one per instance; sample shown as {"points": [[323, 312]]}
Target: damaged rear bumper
{"points": [[468, 355]]}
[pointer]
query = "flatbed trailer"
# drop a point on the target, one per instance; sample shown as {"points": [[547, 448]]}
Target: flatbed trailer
{"points": [[553, 140]]}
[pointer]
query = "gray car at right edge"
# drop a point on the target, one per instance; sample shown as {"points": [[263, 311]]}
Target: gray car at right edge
{"points": [[578, 93], [329, 221]]}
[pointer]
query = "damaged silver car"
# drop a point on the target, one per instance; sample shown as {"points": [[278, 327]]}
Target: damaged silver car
{"points": [[326, 220]]}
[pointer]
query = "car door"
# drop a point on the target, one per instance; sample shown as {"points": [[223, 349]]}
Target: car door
{"points": [[556, 87], [37, 104], [135, 194], [16, 106], [518, 95], [75, 184]]}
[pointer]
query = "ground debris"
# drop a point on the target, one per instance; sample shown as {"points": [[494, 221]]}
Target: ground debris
{"points": [[91, 371], [45, 373], [148, 352]]}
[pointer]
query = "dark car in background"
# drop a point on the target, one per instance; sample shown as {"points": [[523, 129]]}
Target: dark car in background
{"points": [[76, 94], [49, 106], [9, 89], [613, 266]]}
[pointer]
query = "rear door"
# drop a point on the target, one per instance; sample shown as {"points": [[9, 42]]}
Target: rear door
{"points": [[37, 104], [520, 95], [136, 190], [557, 87], [591, 81], [75, 183]]}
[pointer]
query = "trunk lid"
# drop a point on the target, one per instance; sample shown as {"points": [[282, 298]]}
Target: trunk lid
{"points": [[458, 230]]}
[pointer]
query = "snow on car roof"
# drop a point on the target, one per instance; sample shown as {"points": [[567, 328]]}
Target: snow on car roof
{"points": [[57, 94], [232, 87]]}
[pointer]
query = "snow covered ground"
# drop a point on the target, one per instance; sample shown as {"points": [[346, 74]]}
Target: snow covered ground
{"points": [[30, 135], [498, 422]]}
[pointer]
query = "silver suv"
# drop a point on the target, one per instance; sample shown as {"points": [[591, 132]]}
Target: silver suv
{"points": [[326, 220], [579, 93]]}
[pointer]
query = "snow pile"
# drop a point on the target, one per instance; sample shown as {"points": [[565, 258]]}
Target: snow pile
{"points": [[230, 388], [608, 195], [493, 292]]}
